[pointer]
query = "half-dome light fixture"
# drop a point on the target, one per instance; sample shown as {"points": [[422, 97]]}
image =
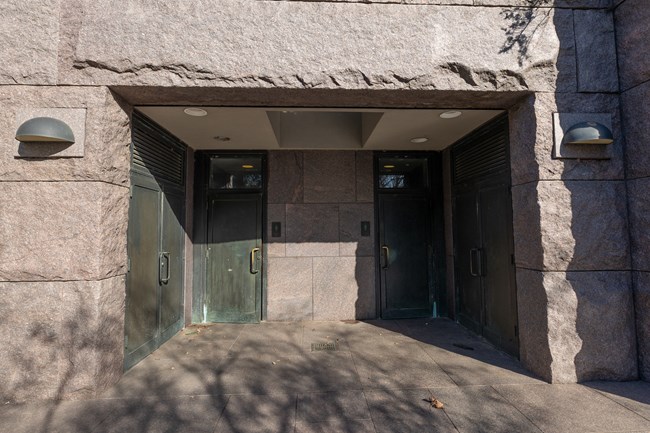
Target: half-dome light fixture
{"points": [[588, 133], [419, 140], [45, 129]]}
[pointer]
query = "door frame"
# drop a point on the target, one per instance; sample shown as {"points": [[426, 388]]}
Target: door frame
{"points": [[436, 229], [200, 232]]}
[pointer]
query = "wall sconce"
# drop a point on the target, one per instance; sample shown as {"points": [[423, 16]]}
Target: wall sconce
{"points": [[588, 133], [583, 136], [45, 129]]}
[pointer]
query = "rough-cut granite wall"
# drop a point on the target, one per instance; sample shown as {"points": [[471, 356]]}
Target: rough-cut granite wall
{"points": [[532, 57], [63, 251], [632, 19], [321, 268]]}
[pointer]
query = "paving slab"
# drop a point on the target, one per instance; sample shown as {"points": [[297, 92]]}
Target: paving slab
{"points": [[633, 395], [319, 407], [54, 417], [396, 365], [571, 408], [405, 411], [343, 425], [476, 367], [309, 372], [258, 414], [482, 409], [193, 414]]}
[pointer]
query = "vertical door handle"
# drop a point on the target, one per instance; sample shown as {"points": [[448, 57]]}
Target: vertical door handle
{"points": [[476, 262], [164, 273], [253, 264], [386, 252], [472, 253]]}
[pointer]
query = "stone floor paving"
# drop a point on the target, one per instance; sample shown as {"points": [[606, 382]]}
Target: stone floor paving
{"points": [[266, 378]]}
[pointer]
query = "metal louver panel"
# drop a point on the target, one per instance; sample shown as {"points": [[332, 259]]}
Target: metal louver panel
{"points": [[482, 153], [156, 152]]}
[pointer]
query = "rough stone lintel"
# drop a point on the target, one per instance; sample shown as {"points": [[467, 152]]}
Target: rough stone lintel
{"points": [[333, 46]]}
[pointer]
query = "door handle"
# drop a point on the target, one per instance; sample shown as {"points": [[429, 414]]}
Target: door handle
{"points": [[386, 251], [253, 264], [476, 256], [164, 273]]}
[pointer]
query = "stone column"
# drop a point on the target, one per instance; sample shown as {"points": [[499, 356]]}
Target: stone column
{"points": [[63, 249], [575, 303], [632, 19]]}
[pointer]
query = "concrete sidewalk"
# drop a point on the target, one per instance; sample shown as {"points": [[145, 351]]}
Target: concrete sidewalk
{"points": [[267, 378]]}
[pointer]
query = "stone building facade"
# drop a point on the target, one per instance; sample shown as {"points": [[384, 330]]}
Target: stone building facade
{"points": [[580, 226]]}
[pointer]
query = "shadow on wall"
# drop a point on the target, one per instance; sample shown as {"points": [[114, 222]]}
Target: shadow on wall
{"points": [[574, 292], [64, 358]]}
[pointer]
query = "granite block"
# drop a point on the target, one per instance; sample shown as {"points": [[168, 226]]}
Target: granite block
{"points": [[577, 326], [29, 36], [365, 177], [275, 245], [285, 172], [289, 288], [344, 288], [329, 177], [639, 213], [350, 218], [635, 112], [632, 20], [62, 230], [595, 51], [65, 339], [641, 282], [312, 230]]}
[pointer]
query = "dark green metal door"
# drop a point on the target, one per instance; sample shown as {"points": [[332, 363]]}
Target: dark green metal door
{"points": [[405, 218], [171, 265], [234, 264], [498, 278], [405, 258], [483, 246], [468, 261], [141, 322], [156, 237]]}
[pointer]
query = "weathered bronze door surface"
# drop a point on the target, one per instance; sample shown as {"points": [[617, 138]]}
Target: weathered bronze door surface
{"points": [[233, 285], [405, 237], [156, 239], [234, 258], [483, 246]]}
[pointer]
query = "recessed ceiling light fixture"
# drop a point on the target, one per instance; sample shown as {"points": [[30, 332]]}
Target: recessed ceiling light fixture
{"points": [[419, 140], [196, 112], [221, 138], [389, 166], [450, 114], [247, 166]]}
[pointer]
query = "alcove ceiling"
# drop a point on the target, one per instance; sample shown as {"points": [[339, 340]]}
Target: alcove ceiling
{"points": [[236, 128]]}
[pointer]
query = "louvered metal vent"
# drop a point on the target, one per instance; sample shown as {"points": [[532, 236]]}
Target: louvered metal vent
{"points": [[156, 152], [482, 153]]}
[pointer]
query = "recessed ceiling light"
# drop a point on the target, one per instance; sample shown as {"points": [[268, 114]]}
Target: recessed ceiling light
{"points": [[389, 166], [419, 140], [247, 166], [450, 114], [221, 138], [196, 112]]}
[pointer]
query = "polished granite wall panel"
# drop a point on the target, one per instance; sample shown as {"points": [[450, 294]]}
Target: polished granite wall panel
{"points": [[320, 266]]}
